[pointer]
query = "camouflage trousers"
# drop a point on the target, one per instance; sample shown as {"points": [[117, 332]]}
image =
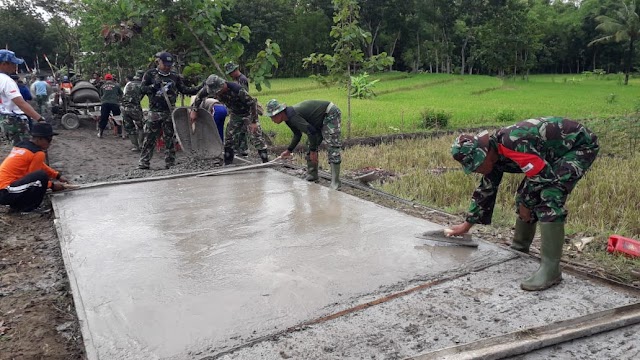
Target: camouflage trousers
{"points": [[14, 128], [133, 120], [332, 134], [547, 202], [156, 123], [241, 141], [239, 123]]}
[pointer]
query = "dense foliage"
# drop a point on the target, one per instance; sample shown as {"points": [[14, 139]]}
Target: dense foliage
{"points": [[503, 37]]}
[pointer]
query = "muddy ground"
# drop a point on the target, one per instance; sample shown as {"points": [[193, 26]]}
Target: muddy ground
{"points": [[37, 314]]}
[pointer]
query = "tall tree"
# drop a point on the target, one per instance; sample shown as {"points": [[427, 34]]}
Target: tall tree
{"points": [[623, 27], [348, 57]]}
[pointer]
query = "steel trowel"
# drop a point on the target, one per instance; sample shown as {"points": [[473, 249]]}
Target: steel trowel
{"points": [[439, 236]]}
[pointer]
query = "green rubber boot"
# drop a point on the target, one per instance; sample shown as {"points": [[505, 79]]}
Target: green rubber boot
{"points": [[335, 176], [523, 236], [312, 171], [548, 273]]}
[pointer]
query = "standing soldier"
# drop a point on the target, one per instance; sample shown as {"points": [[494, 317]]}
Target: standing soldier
{"points": [[110, 95], [553, 153], [132, 111], [13, 107], [162, 86], [42, 92], [318, 119], [240, 143], [244, 114]]}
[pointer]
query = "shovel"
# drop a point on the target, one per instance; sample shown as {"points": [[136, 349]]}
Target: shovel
{"points": [[439, 236], [273, 162]]}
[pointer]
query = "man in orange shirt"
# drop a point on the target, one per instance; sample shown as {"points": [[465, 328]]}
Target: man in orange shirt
{"points": [[24, 176]]}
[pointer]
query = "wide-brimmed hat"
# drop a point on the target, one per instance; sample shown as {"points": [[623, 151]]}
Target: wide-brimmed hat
{"points": [[42, 129], [274, 107], [230, 67], [470, 150]]}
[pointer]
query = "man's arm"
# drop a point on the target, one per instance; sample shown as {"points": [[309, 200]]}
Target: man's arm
{"points": [[484, 199], [27, 109], [187, 90], [297, 135], [200, 96], [147, 85]]}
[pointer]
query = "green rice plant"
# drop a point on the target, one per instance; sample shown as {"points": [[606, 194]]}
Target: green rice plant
{"points": [[434, 119], [611, 98], [506, 116]]}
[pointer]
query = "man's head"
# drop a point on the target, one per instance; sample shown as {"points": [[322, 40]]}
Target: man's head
{"points": [[230, 67], [139, 75], [108, 77], [164, 61], [65, 78], [9, 62], [215, 84], [96, 75], [474, 153], [42, 134], [275, 110], [41, 77]]}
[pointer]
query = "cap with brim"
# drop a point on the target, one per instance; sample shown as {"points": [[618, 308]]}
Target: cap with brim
{"points": [[230, 67], [214, 84], [470, 151], [10, 57], [42, 130], [166, 58]]}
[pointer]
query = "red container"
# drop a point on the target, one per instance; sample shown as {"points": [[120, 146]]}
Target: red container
{"points": [[620, 244]]}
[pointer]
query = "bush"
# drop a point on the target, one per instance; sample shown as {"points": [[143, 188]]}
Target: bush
{"points": [[361, 87], [432, 118], [506, 116]]}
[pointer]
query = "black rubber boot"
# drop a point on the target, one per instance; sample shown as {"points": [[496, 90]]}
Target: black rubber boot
{"points": [[312, 171], [228, 156], [523, 236], [264, 156], [549, 273], [335, 176]]}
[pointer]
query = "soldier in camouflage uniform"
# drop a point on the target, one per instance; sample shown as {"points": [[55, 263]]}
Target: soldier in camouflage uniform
{"points": [[553, 153], [240, 143], [162, 86], [244, 114], [132, 111], [318, 119]]}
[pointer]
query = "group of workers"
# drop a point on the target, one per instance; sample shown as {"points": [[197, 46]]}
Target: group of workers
{"points": [[554, 153]]}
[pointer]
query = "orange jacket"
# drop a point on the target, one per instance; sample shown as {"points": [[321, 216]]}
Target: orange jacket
{"points": [[24, 158]]}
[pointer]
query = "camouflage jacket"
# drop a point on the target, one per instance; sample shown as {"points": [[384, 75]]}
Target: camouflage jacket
{"points": [[153, 83], [132, 95], [530, 147], [235, 98]]}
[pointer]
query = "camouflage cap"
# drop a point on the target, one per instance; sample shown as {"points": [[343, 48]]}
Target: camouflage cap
{"points": [[214, 84], [139, 75], [230, 67], [470, 151], [274, 107]]}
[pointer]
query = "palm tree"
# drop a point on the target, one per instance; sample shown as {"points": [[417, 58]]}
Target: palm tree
{"points": [[624, 27]]}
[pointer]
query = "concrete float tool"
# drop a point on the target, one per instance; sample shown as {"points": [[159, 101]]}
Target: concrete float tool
{"points": [[439, 236], [271, 163]]}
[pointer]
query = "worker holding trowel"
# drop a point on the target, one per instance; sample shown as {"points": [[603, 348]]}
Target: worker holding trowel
{"points": [[24, 176], [244, 114], [162, 86], [553, 153], [318, 119]]}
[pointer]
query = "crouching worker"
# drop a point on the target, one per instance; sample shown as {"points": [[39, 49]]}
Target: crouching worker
{"points": [[553, 153], [24, 177], [318, 119]]}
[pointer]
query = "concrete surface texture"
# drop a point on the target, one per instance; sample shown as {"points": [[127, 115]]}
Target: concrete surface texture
{"points": [[192, 267]]}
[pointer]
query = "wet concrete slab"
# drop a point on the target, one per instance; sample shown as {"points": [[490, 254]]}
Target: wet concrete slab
{"points": [[182, 268], [469, 308]]}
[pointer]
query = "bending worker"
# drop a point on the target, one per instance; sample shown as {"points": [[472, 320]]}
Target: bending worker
{"points": [[24, 177], [244, 114], [318, 119], [553, 153]]}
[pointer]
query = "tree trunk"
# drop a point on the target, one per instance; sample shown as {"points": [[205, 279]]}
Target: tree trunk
{"points": [[629, 60], [393, 48], [204, 47], [594, 60], [349, 101], [462, 56], [418, 58], [374, 35]]}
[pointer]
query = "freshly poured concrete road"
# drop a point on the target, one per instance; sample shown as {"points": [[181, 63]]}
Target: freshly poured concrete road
{"points": [[173, 267], [191, 267]]}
